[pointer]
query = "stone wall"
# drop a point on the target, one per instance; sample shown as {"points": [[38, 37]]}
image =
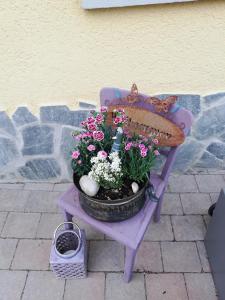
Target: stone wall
{"points": [[38, 148]]}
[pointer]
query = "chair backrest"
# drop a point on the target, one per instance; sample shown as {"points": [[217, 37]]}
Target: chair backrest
{"points": [[178, 115]]}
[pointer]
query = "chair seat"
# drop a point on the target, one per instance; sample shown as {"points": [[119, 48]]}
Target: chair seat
{"points": [[129, 232]]}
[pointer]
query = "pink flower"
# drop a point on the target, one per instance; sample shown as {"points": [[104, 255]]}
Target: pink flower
{"points": [[98, 135], [144, 152], [89, 134], [141, 146], [91, 148], [99, 119], [149, 147], [155, 141], [128, 146], [103, 109], [92, 127], [156, 152], [90, 120], [83, 123], [117, 120], [75, 154], [79, 162], [78, 137], [102, 154]]}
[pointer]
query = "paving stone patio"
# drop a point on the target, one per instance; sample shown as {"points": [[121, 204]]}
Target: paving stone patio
{"points": [[171, 263]]}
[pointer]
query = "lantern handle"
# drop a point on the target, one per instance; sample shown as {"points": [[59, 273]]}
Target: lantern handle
{"points": [[60, 225]]}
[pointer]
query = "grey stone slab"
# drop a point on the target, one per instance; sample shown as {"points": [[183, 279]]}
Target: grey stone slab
{"points": [[8, 151], [37, 140], [211, 123], [217, 149], [207, 220], [183, 184], [210, 183], [76, 117], [187, 154], [35, 186], [92, 286], [189, 101], [32, 255], [171, 204], [39, 169], [62, 187], [21, 225], [48, 224], [149, 258], [23, 116], [200, 286], [166, 287], [12, 284], [86, 105], [214, 98], [62, 115], [59, 114], [188, 228], [203, 256], [117, 289], [42, 285], [161, 231], [6, 124], [13, 200], [106, 256], [7, 250], [208, 160], [195, 203], [42, 201], [180, 257], [3, 216]]}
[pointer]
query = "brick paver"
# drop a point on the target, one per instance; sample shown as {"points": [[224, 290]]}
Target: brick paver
{"points": [[44, 186], [183, 184], [166, 287], [106, 256], [3, 216], [200, 286], [171, 204], [210, 183], [203, 256], [21, 225], [13, 200], [180, 257], [188, 228], [196, 203], [149, 258], [7, 250], [44, 286], [171, 254], [32, 255], [93, 287], [117, 289], [12, 284], [42, 201], [161, 231]]}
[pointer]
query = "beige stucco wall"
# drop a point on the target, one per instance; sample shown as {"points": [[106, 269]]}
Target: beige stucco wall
{"points": [[54, 52]]}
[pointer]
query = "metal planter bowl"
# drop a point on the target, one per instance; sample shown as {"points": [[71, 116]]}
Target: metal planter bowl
{"points": [[112, 210]]}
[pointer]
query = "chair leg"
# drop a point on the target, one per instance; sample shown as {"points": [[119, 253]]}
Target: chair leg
{"points": [[129, 263], [67, 218]]}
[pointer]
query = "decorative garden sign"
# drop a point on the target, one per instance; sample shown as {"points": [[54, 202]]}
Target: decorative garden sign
{"points": [[145, 122]]}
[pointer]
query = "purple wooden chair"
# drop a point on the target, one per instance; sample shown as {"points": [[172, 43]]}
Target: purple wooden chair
{"points": [[130, 232]]}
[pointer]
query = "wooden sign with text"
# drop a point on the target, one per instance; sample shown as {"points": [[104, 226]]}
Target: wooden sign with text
{"points": [[147, 123]]}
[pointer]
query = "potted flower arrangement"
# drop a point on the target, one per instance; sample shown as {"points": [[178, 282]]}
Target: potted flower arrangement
{"points": [[111, 166]]}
